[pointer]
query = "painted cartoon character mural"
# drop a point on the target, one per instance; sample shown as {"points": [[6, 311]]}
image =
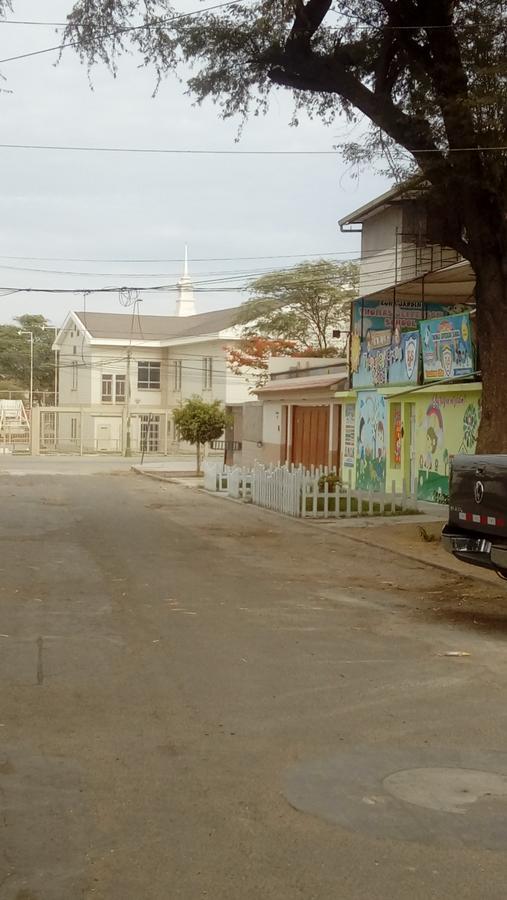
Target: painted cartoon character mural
{"points": [[434, 429], [371, 441], [397, 438], [447, 425], [470, 428]]}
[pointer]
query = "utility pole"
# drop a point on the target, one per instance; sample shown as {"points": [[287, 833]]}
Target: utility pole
{"points": [[30, 333], [127, 451], [56, 330]]}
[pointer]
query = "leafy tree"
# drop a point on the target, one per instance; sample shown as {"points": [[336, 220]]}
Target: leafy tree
{"points": [[15, 354], [428, 75], [303, 304], [199, 422]]}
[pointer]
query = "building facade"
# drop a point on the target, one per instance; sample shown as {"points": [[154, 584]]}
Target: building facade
{"points": [[296, 419], [414, 395], [121, 375]]}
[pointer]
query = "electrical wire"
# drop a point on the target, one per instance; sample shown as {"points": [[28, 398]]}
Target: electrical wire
{"points": [[123, 30], [304, 256], [202, 287], [350, 17], [198, 259], [180, 151], [178, 259], [170, 150]]}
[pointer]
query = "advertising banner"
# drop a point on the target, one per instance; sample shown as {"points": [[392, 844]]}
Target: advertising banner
{"points": [[392, 360], [447, 347]]}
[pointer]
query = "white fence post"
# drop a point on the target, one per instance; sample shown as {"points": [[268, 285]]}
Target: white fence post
{"points": [[297, 492]]}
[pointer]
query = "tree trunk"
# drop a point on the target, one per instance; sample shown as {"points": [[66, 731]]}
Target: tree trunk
{"points": [[491, 292], [198, 457]]}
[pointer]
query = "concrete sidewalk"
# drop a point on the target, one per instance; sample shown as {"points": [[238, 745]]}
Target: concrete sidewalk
{"points": [[93, 464]]}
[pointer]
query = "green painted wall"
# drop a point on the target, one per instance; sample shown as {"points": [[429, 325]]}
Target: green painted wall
{"points": [[446, 424]]}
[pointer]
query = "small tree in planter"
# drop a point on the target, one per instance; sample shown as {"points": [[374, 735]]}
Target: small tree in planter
{"points": [[199, 422]]}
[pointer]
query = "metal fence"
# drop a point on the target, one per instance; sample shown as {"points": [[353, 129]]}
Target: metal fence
{"points": [[97, 430], [314, 493]]}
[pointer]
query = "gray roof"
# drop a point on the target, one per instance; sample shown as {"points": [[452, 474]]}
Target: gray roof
{"points": [[308, 382], [125, 326]]}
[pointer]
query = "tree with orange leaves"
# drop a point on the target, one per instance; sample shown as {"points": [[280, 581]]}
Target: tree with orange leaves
{"points": [[252, 355]]}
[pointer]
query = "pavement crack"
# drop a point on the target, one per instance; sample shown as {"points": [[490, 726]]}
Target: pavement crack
{"points": [[40, 668]]}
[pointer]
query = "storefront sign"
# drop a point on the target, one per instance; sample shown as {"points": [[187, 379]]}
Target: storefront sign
{"points": [[378, 315], [447, 347], [396, 363], [350, 435]]}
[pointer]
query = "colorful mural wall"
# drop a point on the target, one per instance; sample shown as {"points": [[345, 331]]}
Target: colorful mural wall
{"points": [[371, 436], [386, 341], [447, 347], [447, 424], [385, 357], [379, 314]]}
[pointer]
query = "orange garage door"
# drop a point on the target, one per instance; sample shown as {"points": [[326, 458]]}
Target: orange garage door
{"points": [[310, 435]]}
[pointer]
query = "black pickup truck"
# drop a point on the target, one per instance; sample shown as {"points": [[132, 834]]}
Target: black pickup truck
{"points": [[476, 532]]}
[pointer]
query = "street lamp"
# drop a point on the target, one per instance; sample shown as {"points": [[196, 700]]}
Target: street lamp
{"points": [[31, 366], [56, 330]]}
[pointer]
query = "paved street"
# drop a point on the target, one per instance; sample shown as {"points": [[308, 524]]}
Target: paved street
{"points": [[204, 700]]}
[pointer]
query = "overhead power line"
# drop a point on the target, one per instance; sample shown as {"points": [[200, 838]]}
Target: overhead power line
{"points": [[179, 259], [367, 278], [349, 17], [169, 150], [225, 275], [125, 30], [193, 151], [29, 22]]}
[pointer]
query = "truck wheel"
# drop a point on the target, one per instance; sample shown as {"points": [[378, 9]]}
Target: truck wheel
{"points": [[502, 573]]}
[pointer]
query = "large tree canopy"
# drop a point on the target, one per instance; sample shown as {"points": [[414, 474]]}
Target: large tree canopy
{"points": [[303, 304], [15, 355], [430, 76]]}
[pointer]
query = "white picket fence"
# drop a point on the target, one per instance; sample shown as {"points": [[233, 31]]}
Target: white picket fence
{"points": [[232, 480], [319, 501], [279, 488], [297, 492]]}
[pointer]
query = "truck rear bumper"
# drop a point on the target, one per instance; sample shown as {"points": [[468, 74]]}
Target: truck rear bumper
{"points": [[475, 549]]}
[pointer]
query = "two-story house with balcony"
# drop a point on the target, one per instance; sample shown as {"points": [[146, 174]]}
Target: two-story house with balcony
{"points": [[414, 398], [120, 375]]}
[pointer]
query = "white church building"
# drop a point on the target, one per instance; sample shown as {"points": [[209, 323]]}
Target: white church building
{"points": [[120, 375]]}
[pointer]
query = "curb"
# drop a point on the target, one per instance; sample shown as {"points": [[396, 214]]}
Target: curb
{"points": [[173, 478]]}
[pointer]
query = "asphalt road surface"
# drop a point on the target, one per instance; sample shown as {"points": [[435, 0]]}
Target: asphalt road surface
{"points": [[202, 699]]}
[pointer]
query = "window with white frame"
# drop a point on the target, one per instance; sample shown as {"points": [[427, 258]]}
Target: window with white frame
{"points": [[74, 376], [107, 389], [207, 373], [119, 388], [148, 375], [177, 375]]}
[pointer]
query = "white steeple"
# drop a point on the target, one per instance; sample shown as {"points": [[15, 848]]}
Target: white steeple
{"points": [[185, 304]]}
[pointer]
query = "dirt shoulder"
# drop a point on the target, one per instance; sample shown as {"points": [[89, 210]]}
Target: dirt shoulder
{"points": [[418, 540]]}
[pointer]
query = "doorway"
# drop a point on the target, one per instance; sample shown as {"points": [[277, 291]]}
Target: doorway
{"points": [[310, 436]]}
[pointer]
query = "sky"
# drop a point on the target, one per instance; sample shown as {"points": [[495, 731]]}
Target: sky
{"points": [[60, 206]]}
